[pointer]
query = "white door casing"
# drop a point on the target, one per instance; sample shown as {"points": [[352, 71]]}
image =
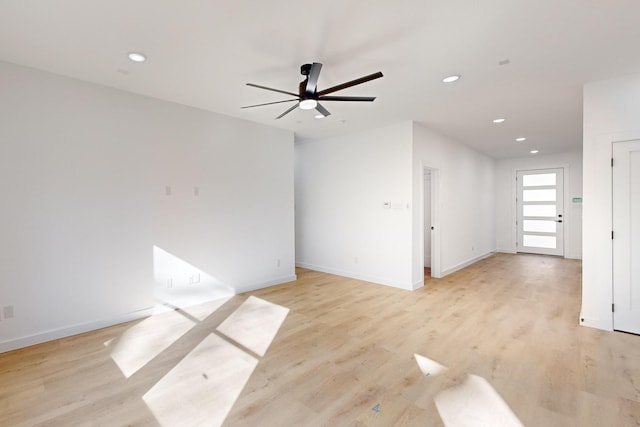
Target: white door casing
{"points": [[626, 236], [540, 211]]}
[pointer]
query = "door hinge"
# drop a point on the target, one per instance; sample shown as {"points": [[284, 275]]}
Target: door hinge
{"points": [[613, 308], [611, 234], [612, 162]]}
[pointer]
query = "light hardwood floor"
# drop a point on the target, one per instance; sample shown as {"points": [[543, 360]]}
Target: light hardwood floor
{"points": [[344, 347]]}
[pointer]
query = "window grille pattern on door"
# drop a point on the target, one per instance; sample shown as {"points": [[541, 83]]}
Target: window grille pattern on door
{"points": [[540, 218]]}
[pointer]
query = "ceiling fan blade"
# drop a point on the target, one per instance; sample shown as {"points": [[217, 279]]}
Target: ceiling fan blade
{"points": [[274, 90], [322, 110], [312, 79], [351, 83], [269, 103], [287, 112], [347, 98]]}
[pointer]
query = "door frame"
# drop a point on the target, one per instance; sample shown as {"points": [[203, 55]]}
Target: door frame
{"points": [[566, 178], [436, 267]]}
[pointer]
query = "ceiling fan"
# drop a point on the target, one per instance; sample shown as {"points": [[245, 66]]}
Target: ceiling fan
{"points": [[308, 96]]}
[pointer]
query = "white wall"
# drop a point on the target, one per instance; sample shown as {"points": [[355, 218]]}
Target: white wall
{"points": [[611, 111], [465, 225], [83, 176], [506, 194], [341, 186]]}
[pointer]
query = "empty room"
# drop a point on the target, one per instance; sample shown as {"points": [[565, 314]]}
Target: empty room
{"points": [[413, 213]]}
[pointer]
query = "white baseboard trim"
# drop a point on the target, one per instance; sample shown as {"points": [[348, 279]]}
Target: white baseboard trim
{"points": [[417, 285], [39, 338], [511, 251], [593, 323], [466, 263], [260, 285], [366, 278], [506, 251], [55, 334]]}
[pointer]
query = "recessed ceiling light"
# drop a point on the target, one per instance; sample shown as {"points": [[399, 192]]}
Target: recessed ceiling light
{"points": [[319, 116], [534, 151], [308, 104], [522, 138], [450, 79], [137, 56], [498, 120]]}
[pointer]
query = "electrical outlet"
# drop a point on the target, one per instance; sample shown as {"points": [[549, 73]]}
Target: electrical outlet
{"points": [[8, 312]]}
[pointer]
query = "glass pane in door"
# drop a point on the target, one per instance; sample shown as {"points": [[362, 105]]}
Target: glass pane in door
{"points": [[548, 242], [539, 210], [539, 226], [548, 195], [539, 179]]}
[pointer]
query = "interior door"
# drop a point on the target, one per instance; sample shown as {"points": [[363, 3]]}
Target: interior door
{"points": [[626, 236], [539, 205]]}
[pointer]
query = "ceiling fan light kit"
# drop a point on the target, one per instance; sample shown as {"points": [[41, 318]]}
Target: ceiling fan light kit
{"points": [[308, 96], [308, 104]]}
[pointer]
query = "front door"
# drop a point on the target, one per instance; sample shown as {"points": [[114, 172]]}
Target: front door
{"points": [[540, 217]]}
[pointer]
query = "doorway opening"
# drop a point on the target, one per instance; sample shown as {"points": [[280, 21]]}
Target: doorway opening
{"points": [[427, 223], [431, 235]]}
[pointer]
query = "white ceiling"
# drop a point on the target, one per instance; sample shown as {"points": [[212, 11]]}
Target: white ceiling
{"points": [[201, 53]]}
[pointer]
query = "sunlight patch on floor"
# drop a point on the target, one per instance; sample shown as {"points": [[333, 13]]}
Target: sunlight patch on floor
{"points": [[139, 344], [202, 388], [254, 324], [470, 403], [474, 403], [430, 367]]}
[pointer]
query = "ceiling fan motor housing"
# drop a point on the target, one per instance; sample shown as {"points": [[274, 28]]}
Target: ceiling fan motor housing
{"points": [[305, 69]]}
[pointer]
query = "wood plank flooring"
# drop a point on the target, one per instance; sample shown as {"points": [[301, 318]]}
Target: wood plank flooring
{"points": [[344, 347]]}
